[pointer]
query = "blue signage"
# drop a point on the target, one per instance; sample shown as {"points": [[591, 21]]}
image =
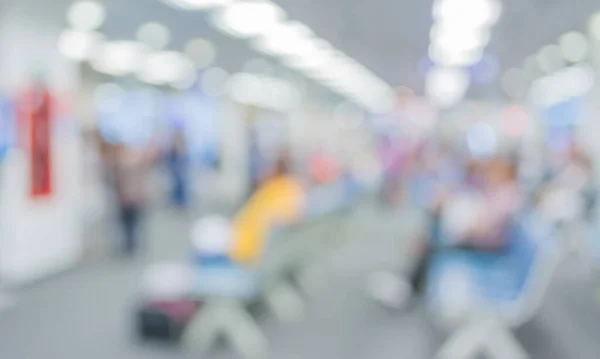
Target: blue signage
{"points": [[7, 126]]}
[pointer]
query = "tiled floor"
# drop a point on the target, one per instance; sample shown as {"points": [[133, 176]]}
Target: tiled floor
{"points": [[87, 313]]}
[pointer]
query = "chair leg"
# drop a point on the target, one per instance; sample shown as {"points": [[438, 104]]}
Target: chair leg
{"points": [[464, 343], [284, 301], [502, 344], [244, 333], [204, 328], [229, 318]]}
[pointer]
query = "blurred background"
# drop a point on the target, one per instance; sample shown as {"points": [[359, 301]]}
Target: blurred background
{"points": [[149, 147]]}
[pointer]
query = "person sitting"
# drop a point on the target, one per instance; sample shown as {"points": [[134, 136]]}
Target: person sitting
{"points": [[278, 201], [476, 219], [486, 215]]}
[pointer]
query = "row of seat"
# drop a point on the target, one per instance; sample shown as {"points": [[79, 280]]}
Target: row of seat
{"points": [[481, 297], [228, 292]]}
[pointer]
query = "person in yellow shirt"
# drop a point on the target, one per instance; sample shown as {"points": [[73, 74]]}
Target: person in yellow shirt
{"points": [[278, 201]]}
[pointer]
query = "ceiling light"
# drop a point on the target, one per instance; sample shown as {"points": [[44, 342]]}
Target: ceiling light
{"points": [[214, 81], [446, 86], [86, 15], [202, 52], [447, 39], [319, 58], [119, 57], [467, 13], [288, 39], [450, 58], [594, 26], [165, 67], [574, 46], [79, 45], [244, 88], [197, 4], [249, 18], [155, 35]]}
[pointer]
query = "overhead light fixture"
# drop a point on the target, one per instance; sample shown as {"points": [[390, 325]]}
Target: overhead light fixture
{"points": [[455, 41], [446, 87], [288, 39], [450, 58], [263, 91], [297, 48], [466, 14], [249, 18], [86, 15], [594, 26], [155, 35], [79, 45], [202, 52], [119, 58], [166, 67], [191, 5]]}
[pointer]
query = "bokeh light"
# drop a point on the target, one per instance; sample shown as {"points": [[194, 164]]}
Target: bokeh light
{"points": [[201, 51], [155, 35], [86, 15]]}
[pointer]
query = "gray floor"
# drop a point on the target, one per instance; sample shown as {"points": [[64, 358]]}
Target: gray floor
{"points": [[87, 313]]}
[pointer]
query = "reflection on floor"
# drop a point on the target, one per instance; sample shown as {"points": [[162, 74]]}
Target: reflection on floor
{"points": [[87, 313]]}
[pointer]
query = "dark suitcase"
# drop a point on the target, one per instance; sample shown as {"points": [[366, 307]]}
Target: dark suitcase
{"points": [[164, 321]]}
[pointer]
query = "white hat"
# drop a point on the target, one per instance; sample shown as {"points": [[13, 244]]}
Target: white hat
{"points": [[212, 236]]}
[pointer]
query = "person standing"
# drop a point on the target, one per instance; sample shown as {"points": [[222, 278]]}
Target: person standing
{"points": [[131, 172], [178, 164]]}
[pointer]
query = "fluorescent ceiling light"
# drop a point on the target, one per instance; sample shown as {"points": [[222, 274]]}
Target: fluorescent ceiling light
{"points": [[119, 58], [446, 86], [79, 45], [450, 58], [244, 88], [594, 26], [153, 34], [452, 40], [86, 15], [317, 59], [249, 18], [287, 39], [166, 67], [197, 4], [467, 13], [202, 52]]}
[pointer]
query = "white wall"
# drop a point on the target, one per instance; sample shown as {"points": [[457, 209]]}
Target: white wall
{"points": [[38, 238]]}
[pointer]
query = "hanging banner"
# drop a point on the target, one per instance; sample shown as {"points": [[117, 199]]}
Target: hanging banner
{"points": [[35, 124]]}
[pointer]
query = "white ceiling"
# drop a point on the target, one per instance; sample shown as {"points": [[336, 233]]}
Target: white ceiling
{"points": [[390, 37]]}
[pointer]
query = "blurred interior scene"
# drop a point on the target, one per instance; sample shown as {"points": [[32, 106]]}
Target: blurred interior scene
{"points": [[318, 179]]}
